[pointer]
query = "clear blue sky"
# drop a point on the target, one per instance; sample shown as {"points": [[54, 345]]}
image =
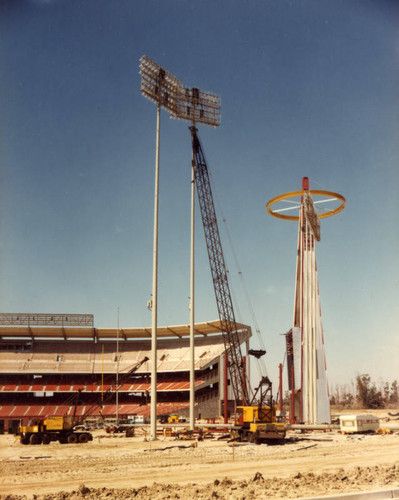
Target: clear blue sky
{"points": [[308, 88]]}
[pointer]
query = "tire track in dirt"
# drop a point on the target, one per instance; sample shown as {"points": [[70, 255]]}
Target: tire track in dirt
{"points": [[130, 472]]}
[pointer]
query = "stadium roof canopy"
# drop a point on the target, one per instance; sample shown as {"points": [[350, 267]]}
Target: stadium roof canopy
{"points": [[70, 333]]}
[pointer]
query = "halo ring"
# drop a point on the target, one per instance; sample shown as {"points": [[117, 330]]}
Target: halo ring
{"points": [[292, 194]]}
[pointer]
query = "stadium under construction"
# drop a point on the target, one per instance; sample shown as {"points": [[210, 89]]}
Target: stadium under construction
{"points": [[62, 365], [63, 370]]}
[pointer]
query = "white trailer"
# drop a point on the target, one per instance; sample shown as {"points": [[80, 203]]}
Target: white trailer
{"points": [[350, 424]]}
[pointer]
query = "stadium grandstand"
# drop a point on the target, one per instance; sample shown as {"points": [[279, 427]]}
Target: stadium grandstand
{"points": [[62, 365]]}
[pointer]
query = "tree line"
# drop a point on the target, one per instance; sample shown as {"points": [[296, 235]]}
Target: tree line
{"points": [[366, 394]]}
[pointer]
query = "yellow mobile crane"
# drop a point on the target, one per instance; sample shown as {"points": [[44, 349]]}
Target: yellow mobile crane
{"points": [[65, 428], [257, 417]]}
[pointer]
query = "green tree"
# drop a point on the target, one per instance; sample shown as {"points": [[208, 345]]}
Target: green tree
{"points": [[394, 396], [347, 400], [367, 393], [387, 392]]}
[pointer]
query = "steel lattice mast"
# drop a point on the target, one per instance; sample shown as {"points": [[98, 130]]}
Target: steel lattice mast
{"points": [[219, 273]]}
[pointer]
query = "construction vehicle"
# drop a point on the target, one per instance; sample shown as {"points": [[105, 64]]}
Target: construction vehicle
{"points": [[68, 429], [258, 423], [257, 417], [61, 429], [173, 419]]}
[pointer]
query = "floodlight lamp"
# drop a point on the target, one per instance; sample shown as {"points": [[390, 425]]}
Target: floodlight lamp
{"points": [[197, 106], [158, 85], [164, 89]]}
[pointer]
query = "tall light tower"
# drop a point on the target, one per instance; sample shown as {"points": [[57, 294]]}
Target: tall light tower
{"points": [[160, 87], [195, 106], [306, 364]]}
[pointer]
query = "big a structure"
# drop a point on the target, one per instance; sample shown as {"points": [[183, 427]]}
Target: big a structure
{"points": [[306, 360]]}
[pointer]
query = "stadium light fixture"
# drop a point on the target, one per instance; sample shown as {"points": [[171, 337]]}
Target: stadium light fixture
{"points": [[164, 89], [197, 106], [159, 85]]}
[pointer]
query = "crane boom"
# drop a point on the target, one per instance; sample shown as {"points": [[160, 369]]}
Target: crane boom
{"points": [[219, 273]]}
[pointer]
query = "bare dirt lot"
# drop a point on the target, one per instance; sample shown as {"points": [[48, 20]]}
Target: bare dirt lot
{"points": [[119, 467]]}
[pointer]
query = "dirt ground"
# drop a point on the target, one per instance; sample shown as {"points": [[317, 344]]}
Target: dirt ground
{"points": [[119, 467]]}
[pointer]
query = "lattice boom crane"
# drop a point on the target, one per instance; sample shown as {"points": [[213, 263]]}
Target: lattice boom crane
{"points": [[219, 273], [257, 419]]}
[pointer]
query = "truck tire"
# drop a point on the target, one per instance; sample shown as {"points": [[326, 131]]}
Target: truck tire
{"points": [[129, 432], [46, 439], [24, 439], [253, 437], [83, 438], [257, 439], [35, 439], [72, 438]]}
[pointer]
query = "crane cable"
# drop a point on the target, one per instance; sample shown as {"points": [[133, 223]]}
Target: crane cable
{"points": [[261, 364]]}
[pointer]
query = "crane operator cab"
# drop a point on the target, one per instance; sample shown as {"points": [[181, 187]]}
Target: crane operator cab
{"points": [[259, 425], [258, 422]]}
